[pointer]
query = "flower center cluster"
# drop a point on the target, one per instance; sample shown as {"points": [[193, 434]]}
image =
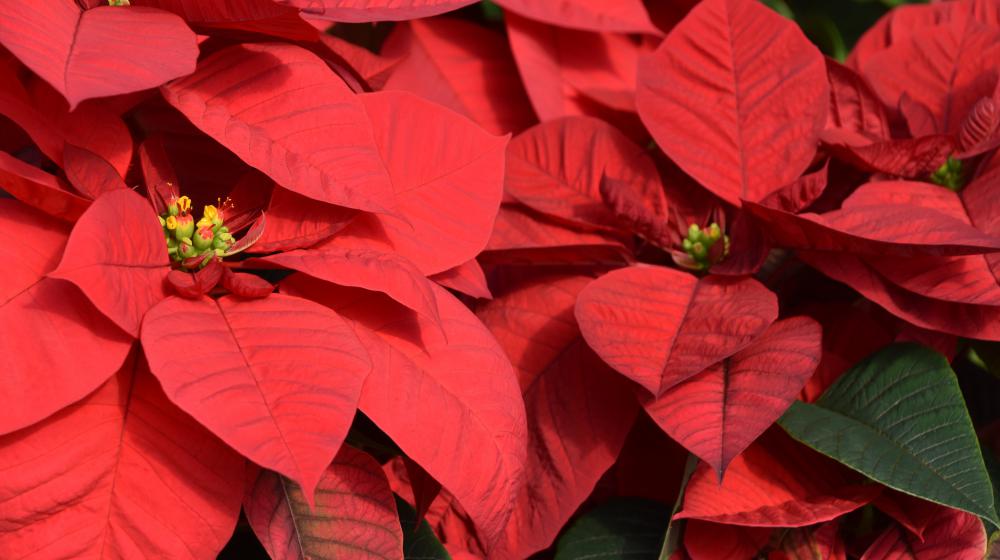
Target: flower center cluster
{"points": [[949, 175], [704, 247], [206, 239]]}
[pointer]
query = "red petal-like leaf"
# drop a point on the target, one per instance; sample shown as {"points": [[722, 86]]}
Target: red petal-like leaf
{"points": [[737, 96], [557, 167], [40, 190], [854, 107], [282, 110], [355, 11], [883, 229], [953, 534], [447, 197], [624, 16], [914, 514], [296, 222], [467, 278], [372, 270], [579, 411], [712, 541], [850, 334], [69, 48], [659, 326], [354, 515], [46, 325], [117, 256], [462, 66], [521, 235], [943, 69], [278, 379], [246, 286], [90, 173], [446, 395], [774, 483], [719, 412], [121, 474], [910, 157], [252, 16], [814, 543], [193, 285]]}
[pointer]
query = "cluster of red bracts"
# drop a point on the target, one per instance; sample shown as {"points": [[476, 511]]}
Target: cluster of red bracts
{"points": [[536, 270]]}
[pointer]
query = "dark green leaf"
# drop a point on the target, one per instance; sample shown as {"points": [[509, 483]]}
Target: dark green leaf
{"points": [[899, 418], [419, 541], [626, 528]]}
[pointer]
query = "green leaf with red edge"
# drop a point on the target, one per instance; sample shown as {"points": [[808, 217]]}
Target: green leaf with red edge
{"points": [[659, 326], [46, 323], [116, 255], [899, 418], [121, 474], [737, 97], [278, 378], [72, 53], [444, 393], [775, 483], [283, 111], [580, 412], [354, 515], [719, 412]]}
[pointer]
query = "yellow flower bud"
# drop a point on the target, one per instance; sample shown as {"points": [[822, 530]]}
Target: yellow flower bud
{"points": [[183, 204], [171, 222]]}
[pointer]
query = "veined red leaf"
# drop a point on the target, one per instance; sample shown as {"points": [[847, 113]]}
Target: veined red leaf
{"points": [[462, 66], [521, 235], [850, 334], [659, 326], [623, 16], [68, 47], [378, 271], [854, 107], [371, 69], [909, 157], [193, 285], [556, 168], [447, 198], [961, 319], [290, 117], [121, 474], [354, 515], [90, 173], [822, 542], [278, 379], [579, 411], [877, 229], [774, 483], [719, 412], [355, 11], [800, 193], [467, 278], [46, 321], [942, 69], [249, 16], [117, 256], [40, 190], [953, 534], [445, 394], [296, 222], [719, 93], [246, 286], [713, 541], [897, 25], [912, 513]]}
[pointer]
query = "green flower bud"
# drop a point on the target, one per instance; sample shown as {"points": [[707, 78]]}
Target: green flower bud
{"points": [[185, 227], [185, 248], [693, 232], [203, 238]]}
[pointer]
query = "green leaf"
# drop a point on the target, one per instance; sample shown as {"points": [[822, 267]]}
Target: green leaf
{"points": [[419, 541], [622, 528], [899, 418]]}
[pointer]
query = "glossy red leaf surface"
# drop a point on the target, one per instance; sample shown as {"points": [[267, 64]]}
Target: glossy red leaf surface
{"points": [[557, 167], [354, 515], [659, 326], [713, 541], [47, 321], [579, 410], [719, 412], [736, 96], [90, 173], [464, 67], [358, 11], [372, 270], [292, 118], [854, 107], [774, 483], [122, 473], [448, 197], [72, 53], [625, 16], [445, 394], [278, 379], [910, 157], [117, 256], [40, 190], [952, 534]]}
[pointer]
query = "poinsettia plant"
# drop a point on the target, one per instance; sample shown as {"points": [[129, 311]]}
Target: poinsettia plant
{"points": [[524, 278]]}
